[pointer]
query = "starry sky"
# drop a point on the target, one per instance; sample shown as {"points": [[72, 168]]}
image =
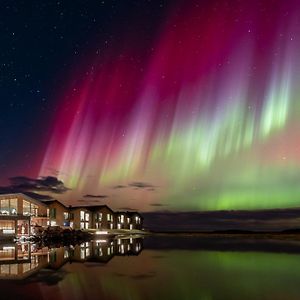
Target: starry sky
{"points": [[152, 105]]}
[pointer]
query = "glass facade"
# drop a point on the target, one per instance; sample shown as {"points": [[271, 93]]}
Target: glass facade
{"points": [[9, 206], [29, 209], [7, 227]]}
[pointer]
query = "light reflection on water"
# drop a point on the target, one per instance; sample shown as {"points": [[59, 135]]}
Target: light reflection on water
{"points": [[165, 269]]}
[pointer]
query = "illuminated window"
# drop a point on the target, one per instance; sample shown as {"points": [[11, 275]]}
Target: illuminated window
{"points": [[66, 215], [7, 227], [53, 223], [87, 217], [33, 210], [13, 206], [82, 215], [26, 208], [9, 206]]}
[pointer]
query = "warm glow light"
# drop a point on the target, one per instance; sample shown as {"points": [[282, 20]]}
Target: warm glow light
{"points": [[101, 232]]}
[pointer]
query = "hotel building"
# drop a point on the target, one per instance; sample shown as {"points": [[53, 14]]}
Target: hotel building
{"points": [[19, 214]]}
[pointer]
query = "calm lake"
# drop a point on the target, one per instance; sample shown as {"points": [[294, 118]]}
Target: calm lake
{"points": [[161, 267]]}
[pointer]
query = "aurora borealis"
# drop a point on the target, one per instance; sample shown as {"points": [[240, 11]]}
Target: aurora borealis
{"points": [[203, 112]]}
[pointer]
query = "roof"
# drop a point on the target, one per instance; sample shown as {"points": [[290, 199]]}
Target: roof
{"points": [[49, 201], [91, 208]]}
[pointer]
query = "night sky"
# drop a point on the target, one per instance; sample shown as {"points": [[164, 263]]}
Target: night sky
{"points": [[152, 105]]}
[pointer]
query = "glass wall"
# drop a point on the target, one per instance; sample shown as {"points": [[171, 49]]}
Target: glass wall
{"points": [[9, 206], [26, 208], [7, 227], [29, 209]]}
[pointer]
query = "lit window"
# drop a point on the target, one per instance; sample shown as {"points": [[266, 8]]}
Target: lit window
{"points": [[13, 206], [26, 208], [5, 207], [82, 215], [87, 217], [66, 215]]}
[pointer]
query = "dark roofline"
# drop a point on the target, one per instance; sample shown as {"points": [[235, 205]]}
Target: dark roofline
{"points": [[90, 207], [52, 201]]}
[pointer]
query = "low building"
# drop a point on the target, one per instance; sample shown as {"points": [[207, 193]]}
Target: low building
{"points": [[19, 214], [128, 220]]}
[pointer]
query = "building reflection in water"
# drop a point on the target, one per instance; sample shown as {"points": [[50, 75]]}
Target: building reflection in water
{"points": [[19, 261]]}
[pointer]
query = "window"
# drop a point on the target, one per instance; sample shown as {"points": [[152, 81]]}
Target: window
{"points": [[33, 210], [26, 208], [82, 215], [7, 227], [13, 206], [9, 206], [99, 216], [52, 213], [108, 217], [81, 225], [66, 215], [87, 217], [122, 218]]}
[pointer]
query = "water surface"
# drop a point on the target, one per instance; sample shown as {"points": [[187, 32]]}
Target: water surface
{"points": [[154, 268]]}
